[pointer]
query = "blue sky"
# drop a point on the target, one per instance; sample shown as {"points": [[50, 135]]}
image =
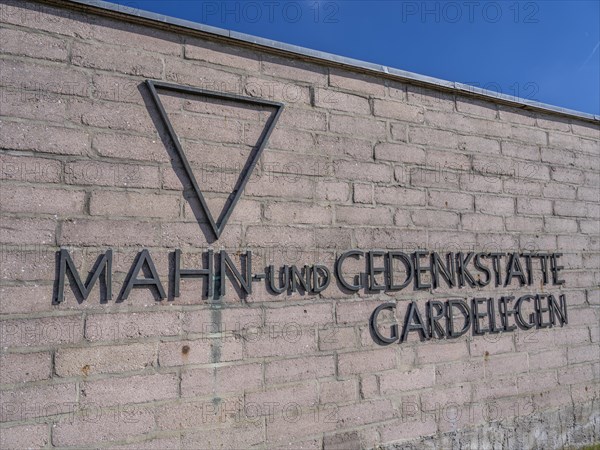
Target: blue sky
{"points": [[547, 51]]}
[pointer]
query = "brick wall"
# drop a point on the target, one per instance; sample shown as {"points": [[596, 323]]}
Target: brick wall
{"points": [[356, 161]]}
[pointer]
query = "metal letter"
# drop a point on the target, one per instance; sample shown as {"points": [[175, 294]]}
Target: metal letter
{"points": [[373, 271], [540, 310], [144, 257], [338, 270], [519, 315], [482, 268], [418, 270], [434, 327], [413, 315], [390, 270], [446, 271], [555, 268], [496, 267], [301, 278], [375, 334], [514, 269], [103, 264], [505, 312], [464, 309], [559, 309], [318, 286], [476, 315], [244, 282], [193, 273], [284, 283], [463, 271]]}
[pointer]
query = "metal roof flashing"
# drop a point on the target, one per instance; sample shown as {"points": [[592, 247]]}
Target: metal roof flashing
{"points": [[127, 13]]}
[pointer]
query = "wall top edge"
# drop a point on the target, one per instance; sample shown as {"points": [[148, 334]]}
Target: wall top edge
{"points": [[130, 14]]}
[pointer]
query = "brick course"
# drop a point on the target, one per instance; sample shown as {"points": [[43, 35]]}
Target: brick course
{"points": [[356, 161]]}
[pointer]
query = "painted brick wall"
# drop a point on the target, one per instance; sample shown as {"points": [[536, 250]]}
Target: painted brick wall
{"points": [[356, 161]]}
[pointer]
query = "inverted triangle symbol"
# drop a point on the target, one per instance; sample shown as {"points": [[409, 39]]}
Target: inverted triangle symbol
{"points": [[218, 225]]}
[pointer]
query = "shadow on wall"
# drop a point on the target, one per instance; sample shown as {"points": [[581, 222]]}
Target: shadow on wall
{"points": [[225, 178]]}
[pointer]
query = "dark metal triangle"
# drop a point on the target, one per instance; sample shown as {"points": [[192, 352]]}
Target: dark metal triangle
{"points": [[218, 225]]}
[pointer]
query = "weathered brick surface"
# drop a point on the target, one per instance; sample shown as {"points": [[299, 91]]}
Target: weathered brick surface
{"points": [[118, 59], [107, 426], [25, 436], [42, 200], [107, 359], [30, 402], [25, 367], [356, 161], [134, 389], [35, 137]]}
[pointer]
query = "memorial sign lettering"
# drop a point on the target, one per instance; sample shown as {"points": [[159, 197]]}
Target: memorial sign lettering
{"points": [[421, 269]]}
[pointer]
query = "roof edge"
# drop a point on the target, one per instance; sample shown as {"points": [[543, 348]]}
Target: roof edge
{"points": [[163, 21]]}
